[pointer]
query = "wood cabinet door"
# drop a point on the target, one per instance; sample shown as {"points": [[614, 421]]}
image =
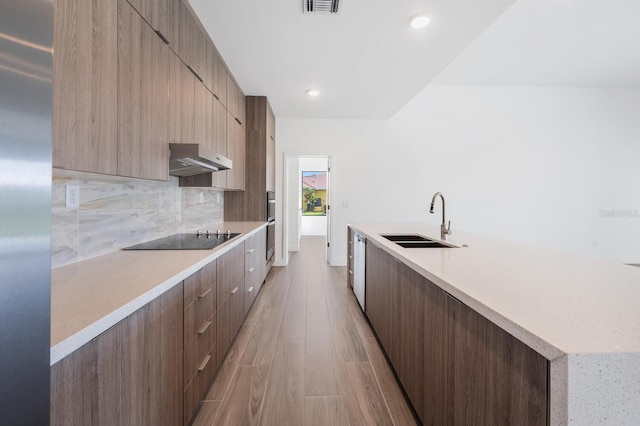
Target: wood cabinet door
{"points": [[232, 175], [204, 116], [261, 248], [220, 79], [208, 61], [153, 356], [131, 374], [155, 12], [271, 150], [350, 248], [382, 299], [143, 98], [240, 154], [230, 315], [498, 379], [232, 96], [412, 322], [438, 349], [230, 272], [85, 83], [241, 106], [181, 30], [220, 126], [224, 337], [182, 102], [377, 272]]}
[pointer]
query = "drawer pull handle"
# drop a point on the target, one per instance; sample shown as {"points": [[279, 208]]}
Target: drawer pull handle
{"points": [[455, 299], [234, 290], [250, 290], [251, 251], [162, 37], [251, 270], [350, 271], [350, 257], [203, 295], [204, 363], [204, 328], [195, 73]]}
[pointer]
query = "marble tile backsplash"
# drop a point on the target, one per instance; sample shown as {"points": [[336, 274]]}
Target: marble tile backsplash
{"points": [[115, 214]]}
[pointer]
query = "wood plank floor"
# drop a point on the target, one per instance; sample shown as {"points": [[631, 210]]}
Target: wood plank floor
{"points": [[305, 356]]}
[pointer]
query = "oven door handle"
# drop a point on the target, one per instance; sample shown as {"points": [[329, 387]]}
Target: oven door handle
{"points": [[271, 223]]}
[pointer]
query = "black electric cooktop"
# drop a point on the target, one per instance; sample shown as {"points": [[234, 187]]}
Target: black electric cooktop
{"points": [[195, 241]]}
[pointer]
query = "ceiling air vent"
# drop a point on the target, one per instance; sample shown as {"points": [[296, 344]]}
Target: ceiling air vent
{"points": [[321, 6]]}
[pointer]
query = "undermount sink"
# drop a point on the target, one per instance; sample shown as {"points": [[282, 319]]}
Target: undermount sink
{"points": [[406, 238], [415, 241]]}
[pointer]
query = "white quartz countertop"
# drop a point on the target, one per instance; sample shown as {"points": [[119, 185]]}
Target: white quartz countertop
{"points": [[556, 303], [89, 297]]}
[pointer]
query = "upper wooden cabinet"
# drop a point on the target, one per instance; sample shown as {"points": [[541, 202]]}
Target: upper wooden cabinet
{"points": [[220, 77], [236, 103], [85, 82], [193, 45], [204, 116], [211, 130], [182, 104], [157, 14], [241, 107], [271, 150], [259, 166], [143, 98], [232, 96], [236, 151], [121, 96]]}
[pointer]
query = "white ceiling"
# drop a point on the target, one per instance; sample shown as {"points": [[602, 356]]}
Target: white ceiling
{"points": [[555, 43], [366, 61]]}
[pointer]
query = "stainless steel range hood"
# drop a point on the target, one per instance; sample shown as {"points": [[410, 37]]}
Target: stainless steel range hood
{"points": [[188, 159]]}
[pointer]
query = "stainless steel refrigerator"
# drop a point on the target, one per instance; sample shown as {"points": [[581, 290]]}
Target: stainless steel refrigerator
{"points": [[26, 55]]}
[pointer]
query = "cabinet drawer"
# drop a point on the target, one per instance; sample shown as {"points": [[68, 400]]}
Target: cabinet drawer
{"points": [[197, 314], [196, 352], [250, 244], [198, 387], [230, 272], [199, 282]]}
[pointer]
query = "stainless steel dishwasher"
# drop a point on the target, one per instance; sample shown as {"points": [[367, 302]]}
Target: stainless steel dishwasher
{"points": [[359, 255]]}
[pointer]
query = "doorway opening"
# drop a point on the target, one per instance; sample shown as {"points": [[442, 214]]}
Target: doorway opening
{"points": [[308, 200], [314, 201]]}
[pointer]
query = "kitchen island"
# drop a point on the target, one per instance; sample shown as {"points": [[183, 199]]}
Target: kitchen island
{"points": [[580, 314]]}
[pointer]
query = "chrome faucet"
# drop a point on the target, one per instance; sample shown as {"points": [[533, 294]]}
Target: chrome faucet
{"points": [[445, 230]]}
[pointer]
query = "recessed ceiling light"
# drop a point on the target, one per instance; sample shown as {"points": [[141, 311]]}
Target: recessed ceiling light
{"points": [[420, 21], [312, 92]]}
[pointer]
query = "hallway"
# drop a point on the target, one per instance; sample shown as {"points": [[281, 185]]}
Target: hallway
{"points": [[305, 355]]}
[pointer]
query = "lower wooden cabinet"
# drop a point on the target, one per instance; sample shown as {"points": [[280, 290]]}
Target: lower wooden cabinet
{"points": [[350, 248], [200, 335], [128, 374], [155, 366], [456, 367], [265, 266], [254, 265], [231, 297]]}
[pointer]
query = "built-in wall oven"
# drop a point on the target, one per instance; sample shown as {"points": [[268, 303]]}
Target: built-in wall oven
{"points": [[271, 224]]}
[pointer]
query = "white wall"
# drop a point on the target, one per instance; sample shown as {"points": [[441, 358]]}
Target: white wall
{"points": [[529, 164]]}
